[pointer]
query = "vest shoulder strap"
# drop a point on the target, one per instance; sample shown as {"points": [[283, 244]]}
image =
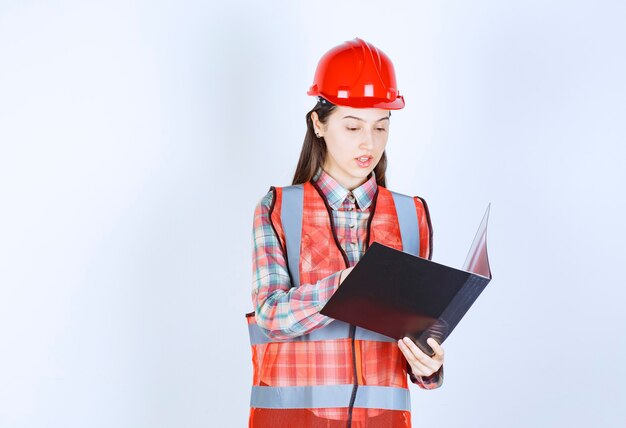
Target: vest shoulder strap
{"points": [[407, 218], [415, 227], [291, 218]]}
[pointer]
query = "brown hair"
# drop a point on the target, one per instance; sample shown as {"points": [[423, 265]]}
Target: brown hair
{"points": [[313, 153]]}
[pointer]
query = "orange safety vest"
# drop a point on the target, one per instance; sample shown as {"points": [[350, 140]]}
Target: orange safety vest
{"points": [[303, 381]]}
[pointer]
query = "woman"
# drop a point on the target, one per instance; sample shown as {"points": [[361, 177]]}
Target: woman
{"points": [[311, 370]]}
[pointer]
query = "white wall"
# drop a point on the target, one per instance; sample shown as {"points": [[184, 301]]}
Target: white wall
{"points": [[135, 140]]}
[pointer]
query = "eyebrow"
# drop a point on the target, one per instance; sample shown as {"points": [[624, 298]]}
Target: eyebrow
{"points": [[358, 118]]}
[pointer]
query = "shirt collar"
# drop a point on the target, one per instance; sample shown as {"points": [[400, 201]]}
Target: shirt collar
{"points": [[335, 193]]}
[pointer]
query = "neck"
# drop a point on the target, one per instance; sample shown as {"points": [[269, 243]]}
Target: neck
{"points": [[349, 183]]}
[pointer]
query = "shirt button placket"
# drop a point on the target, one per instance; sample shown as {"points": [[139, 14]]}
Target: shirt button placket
{"points": [[352, 224]]}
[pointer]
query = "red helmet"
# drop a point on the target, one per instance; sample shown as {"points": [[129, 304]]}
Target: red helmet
{"points": [[357, 74]]}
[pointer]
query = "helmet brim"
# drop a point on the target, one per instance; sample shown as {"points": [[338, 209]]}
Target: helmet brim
{"points": [[364, 102]]}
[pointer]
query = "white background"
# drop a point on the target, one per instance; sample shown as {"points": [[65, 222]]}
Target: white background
{"points": [[137, 137]]}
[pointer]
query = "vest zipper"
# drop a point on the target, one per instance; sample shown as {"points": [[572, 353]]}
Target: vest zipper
{"points": [[355, 386]]}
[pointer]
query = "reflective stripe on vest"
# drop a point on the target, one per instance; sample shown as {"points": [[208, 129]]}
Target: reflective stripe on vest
{"points": [[407, 218], [330, 396], [291, 218], [335, 330]]}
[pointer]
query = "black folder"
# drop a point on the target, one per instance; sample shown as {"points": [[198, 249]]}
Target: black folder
{"points": [[397, 294]]}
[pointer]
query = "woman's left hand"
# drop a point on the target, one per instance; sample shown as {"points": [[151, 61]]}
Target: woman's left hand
{"points": [[421, 363]]}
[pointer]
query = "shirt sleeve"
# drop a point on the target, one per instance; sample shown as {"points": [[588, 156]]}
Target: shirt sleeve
{"points": [[281, 310]]}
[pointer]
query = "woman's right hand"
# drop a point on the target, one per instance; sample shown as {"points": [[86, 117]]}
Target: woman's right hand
{"points": [[345, 273]]}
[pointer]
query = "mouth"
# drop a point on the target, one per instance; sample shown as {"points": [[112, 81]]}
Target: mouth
{"points": [[364, 161]]}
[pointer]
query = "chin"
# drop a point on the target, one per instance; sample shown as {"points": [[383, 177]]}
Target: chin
{"points": [[363, 174]]}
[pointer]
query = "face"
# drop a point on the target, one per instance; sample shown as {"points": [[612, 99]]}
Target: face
{"points": [[355, 141]]}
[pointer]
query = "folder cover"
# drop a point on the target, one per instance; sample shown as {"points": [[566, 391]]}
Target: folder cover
{"points": [[397, 294]]}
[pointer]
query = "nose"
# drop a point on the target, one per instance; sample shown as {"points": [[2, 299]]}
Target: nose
{"points": [[367, 143]]}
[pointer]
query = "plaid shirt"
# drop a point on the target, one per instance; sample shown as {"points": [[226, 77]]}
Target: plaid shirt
{"points": [[285, 311]]}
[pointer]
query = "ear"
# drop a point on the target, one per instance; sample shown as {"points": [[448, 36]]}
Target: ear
{"points": [[317, 125]]}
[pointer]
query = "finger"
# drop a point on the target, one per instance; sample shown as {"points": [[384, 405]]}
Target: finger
{"points": [[418, 368], [421, 356], [439, 353]]}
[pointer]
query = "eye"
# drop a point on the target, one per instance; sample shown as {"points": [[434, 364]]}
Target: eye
{"points": [[381, 129], [352, 129]]}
